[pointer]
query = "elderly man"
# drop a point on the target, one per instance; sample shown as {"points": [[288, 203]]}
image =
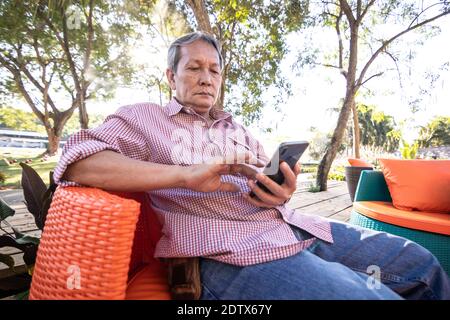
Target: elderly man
{"points": [[250, 247]]}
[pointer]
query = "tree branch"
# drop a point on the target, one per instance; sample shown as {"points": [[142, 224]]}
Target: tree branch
{"points": [[201, 15], [389, 41], [22, 68], [371, 77], [348, 11], [396, 66], [340, 44], [64, 43], [18, 79], [366, 9]]}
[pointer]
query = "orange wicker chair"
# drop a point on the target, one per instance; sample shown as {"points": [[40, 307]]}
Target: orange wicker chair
{"points": [[99, 245]]}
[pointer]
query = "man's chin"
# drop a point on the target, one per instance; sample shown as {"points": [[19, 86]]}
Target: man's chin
{"points": [[204, 104]]}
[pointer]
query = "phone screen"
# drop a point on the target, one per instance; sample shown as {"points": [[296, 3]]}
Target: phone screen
{"points": [[289, 152]]}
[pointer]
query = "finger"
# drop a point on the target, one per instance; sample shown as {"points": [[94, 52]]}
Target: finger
{"points": [[276, 189], [264, 196], [256, 201], [243, 169], [229, 187], [297, 169], [290, 179], [259, 163]]}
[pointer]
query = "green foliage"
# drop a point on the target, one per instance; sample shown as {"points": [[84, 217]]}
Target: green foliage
{"points": [[319, 143], [46, 54], [19, 120], [409, 151], [337, 173], [313, 188], [308, 169], [377, 129], [2, 178], [38, 198], [253, 37], [436, 133], [73, 124]]}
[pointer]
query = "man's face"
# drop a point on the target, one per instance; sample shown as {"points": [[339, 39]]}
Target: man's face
{"points": [[198, 77]]}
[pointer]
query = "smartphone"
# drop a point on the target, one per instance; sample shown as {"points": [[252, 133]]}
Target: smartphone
{"points": [[289, 152]]}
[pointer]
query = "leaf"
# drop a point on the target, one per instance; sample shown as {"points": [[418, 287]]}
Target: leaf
{"points": [[23, 295], [8, 241], [5, 210], [33, 190], [8, 260], [27, 240], [29, 248], [47, 200]]}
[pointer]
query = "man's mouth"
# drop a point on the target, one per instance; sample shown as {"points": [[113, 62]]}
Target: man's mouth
{"points": [[204, 94]]}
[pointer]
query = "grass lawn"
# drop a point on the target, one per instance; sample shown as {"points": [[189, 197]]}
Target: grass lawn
{"points": [[13, 172]]}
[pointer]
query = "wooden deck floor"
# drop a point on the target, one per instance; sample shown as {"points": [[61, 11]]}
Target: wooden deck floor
{"points": [[334, 203]]}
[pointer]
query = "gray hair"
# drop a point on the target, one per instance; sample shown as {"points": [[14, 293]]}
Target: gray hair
{"points": [[174, 55]]}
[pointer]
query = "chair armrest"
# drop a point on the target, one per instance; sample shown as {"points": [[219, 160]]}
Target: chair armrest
{"points": [[86, 244], [372, 187]]}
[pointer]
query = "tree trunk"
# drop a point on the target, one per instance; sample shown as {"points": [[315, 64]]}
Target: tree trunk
{"points": [[54, 132], [201, 15], [356, 132], [349, 101], [204, 24], [53, 143], [84, 118], [336, 141], [220, 100]]}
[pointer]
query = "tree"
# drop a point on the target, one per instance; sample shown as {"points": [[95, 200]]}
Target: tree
{"points": [[436, 133], [252, 36], [55, 49], [17, 119], [353, 22], [378, 130]]}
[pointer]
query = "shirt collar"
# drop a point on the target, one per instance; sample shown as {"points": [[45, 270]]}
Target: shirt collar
{"points": [[174, 107]]}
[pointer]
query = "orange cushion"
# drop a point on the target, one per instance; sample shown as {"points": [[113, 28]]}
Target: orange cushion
{"points": [[386, 212], [359, 163], [150, 283], [422, 185]]}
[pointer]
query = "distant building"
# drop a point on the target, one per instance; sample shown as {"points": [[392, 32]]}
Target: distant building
{"points": [[23, 139]]}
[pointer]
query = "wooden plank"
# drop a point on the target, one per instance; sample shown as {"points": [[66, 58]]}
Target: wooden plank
{"points": [[21, 228], [19, 266], [310, 198], [304, 186], [328, 207], [343, 215]]}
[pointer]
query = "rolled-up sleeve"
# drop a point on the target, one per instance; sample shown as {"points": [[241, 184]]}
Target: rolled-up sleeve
{"points": [[120, 133]]}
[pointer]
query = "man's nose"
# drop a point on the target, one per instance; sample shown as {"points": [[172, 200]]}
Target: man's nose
{"points": [[205, 78]]}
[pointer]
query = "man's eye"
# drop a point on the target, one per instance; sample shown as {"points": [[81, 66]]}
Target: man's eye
{"points": [[215, 71], [193, 68]]}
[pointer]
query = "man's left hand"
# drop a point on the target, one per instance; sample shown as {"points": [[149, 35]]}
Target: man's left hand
{"points": [[280, 193]]}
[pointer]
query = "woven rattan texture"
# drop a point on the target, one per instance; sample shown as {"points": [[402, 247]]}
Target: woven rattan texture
{"points": [[85, 247]]}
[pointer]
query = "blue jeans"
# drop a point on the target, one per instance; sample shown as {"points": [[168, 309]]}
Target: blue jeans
{"points": [[360, 264]]}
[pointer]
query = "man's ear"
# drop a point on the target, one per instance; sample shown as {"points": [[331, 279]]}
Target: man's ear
{"points": [[171, 78]]}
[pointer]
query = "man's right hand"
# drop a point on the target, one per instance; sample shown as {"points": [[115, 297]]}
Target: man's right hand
{"points": [[205, 177]]}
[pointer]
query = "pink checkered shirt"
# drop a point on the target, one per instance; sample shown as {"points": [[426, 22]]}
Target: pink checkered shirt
{"points": [[217, 225]]}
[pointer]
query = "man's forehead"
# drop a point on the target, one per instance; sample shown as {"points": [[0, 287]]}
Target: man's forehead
{"points": [[195, 52], [214, 62]]}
